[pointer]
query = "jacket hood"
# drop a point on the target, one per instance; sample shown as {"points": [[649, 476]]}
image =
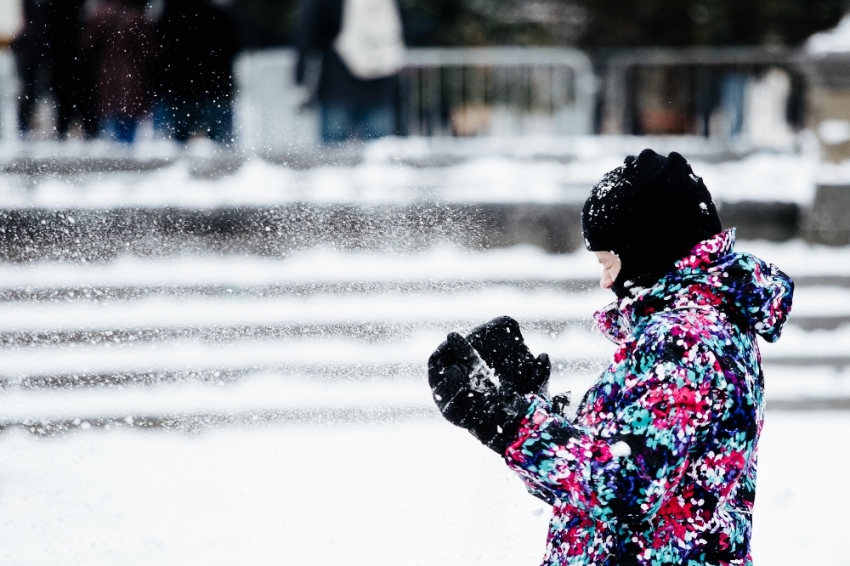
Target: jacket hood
{"points": [[753, 293]]}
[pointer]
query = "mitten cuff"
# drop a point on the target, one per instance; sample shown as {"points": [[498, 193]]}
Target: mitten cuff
{"points": [[505, 423]]}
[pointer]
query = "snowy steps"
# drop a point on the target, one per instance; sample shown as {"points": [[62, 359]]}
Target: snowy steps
{"points": [[194, 423], [323, 339], [370, 332], [299, 289]]}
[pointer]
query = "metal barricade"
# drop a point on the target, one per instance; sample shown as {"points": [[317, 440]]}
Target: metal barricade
{"points": [[497, 91], [446, 91], [708, 91]]}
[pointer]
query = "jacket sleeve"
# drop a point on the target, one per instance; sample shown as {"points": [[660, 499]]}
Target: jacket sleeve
{"points": [[664, 401]]}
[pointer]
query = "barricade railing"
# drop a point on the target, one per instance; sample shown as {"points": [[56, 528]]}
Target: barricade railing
{"points": [[726, 91], [475, 92], [497, 91], [442, 92]]}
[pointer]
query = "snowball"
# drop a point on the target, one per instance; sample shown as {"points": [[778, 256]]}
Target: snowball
{"points": [[620, 449]]}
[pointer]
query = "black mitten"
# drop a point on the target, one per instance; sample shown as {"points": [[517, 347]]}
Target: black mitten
{"points": [[501, 344], [461, 384]]}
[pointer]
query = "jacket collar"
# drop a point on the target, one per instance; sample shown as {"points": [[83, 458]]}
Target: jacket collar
{"points": [[621, 318]]}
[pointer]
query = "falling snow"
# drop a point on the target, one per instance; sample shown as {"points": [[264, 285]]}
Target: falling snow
{"points": [[236, 408]]}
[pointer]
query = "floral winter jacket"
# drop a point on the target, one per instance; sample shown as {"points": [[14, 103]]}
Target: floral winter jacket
{"points": [[659, 465]]}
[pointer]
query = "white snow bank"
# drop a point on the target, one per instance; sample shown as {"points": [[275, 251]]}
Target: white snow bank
{"points": [[798, 343], [265, 391], [319, 265], [835, 173], [562, 148], [797, 383], [820, 301], [798, 258], [131, 356], [259, 392], [311, 266], [786, 177], [402, 308], [352, 309], [762, 177]]}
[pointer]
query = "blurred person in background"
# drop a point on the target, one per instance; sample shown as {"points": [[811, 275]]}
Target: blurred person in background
{"points": [[71, 74], [193, 71], [32, 59], [119, 40], [361, 46]]}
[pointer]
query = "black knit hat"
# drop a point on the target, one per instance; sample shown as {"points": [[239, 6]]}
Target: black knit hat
{"points": [[650, 212]]}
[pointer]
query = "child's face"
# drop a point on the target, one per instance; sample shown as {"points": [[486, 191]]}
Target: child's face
{"points": [[610, 268]]}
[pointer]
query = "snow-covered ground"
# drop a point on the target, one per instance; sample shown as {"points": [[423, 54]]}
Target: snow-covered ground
{"points": [[419, 492], [339, 338], [233, 409]]}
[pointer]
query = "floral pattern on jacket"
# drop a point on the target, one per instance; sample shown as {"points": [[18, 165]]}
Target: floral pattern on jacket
{"points": [[659, 465]]}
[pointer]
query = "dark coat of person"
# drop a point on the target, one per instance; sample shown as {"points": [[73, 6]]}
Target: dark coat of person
{"points": [[71, 74], [31, 48], [119, 37], [318, 26], [196, 46], [33, 41]]}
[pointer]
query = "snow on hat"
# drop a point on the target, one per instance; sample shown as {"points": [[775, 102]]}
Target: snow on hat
{"points": [[650, 212]]}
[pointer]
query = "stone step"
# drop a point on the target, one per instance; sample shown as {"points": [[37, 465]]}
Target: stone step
{"points": [[370, 332], [86, 292], [93, 234], [294, 289], [196, 423], [338, 372], [43, 314], [194, 312]]}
